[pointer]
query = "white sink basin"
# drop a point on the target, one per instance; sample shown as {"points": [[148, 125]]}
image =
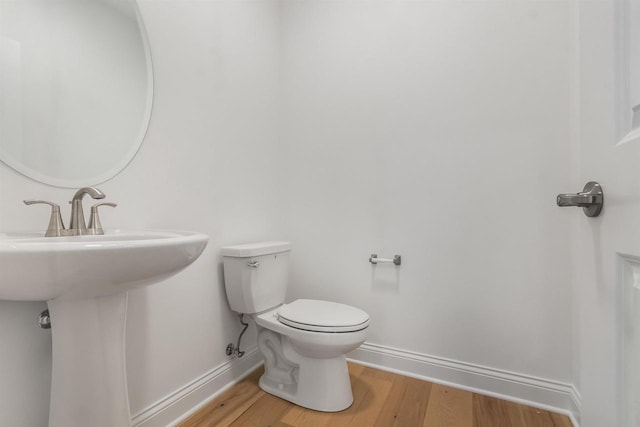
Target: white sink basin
{"points": [[38, 268], [85, 280]]}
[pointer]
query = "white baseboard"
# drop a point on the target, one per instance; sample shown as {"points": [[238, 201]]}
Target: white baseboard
{"points": [[542, 393], [529, 390], [183, 402]]}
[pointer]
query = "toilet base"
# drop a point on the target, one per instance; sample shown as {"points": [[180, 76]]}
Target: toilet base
{"points": [[321, 384]]}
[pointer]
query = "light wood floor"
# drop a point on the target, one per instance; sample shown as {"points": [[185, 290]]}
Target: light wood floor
{"points": [[381, 399]]}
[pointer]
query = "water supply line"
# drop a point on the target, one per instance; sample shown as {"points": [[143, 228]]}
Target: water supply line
{"points": [[231, 349], [44, 320]]}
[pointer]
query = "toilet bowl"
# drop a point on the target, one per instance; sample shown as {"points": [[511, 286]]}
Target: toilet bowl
{"points": [[308, 367], [304, 343]]}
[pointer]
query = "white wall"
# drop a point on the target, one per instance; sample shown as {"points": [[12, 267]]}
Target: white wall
{"points": [[439, 131], [207, 164], [436, 130]]}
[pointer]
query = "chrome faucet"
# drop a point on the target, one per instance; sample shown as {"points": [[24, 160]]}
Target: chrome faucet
{"points": [[77, 225]]}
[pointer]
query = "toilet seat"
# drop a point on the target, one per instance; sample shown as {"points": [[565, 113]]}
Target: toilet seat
{"points": [[322, 316]]}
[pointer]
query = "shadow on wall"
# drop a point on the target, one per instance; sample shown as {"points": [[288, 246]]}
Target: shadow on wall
{"points": [[385, 278]]}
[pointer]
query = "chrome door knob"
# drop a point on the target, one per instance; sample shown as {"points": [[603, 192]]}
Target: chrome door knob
{"points": [[591, 199]]}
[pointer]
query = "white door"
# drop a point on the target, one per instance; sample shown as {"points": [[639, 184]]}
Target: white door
{"points": [[607, 248]]}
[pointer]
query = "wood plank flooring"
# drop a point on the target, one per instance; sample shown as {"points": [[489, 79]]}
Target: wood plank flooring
{"points": [[381, 399]]}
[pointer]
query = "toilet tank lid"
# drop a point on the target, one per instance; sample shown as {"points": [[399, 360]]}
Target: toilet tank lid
{"points": [[255, 249]]}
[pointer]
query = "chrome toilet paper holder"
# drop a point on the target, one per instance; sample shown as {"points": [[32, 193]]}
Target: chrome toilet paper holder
{"points": [[397, 259]]}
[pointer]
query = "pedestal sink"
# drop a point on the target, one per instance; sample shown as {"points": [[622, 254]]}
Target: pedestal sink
{"points": [[85, 280]]}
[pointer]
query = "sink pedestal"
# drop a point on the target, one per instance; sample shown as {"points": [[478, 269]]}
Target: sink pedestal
{"points": [[88, 379]]}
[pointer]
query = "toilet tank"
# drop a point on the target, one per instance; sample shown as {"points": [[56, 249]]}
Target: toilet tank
{"points": [[255, 275]]}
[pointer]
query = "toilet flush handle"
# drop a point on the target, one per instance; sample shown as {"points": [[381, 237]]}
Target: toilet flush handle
{"points": [[254, 264]]}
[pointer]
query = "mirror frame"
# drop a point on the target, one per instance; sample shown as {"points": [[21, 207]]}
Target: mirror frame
{"points": [[134, 146]]}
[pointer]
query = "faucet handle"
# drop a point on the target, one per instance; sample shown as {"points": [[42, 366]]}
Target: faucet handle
{"points": [[56, 227], [95, 227]]}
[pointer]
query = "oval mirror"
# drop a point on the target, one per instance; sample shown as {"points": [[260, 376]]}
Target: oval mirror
{"points": [[76, 88]]}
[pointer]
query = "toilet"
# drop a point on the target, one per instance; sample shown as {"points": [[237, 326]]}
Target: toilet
{"points": [[304, 343]]}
